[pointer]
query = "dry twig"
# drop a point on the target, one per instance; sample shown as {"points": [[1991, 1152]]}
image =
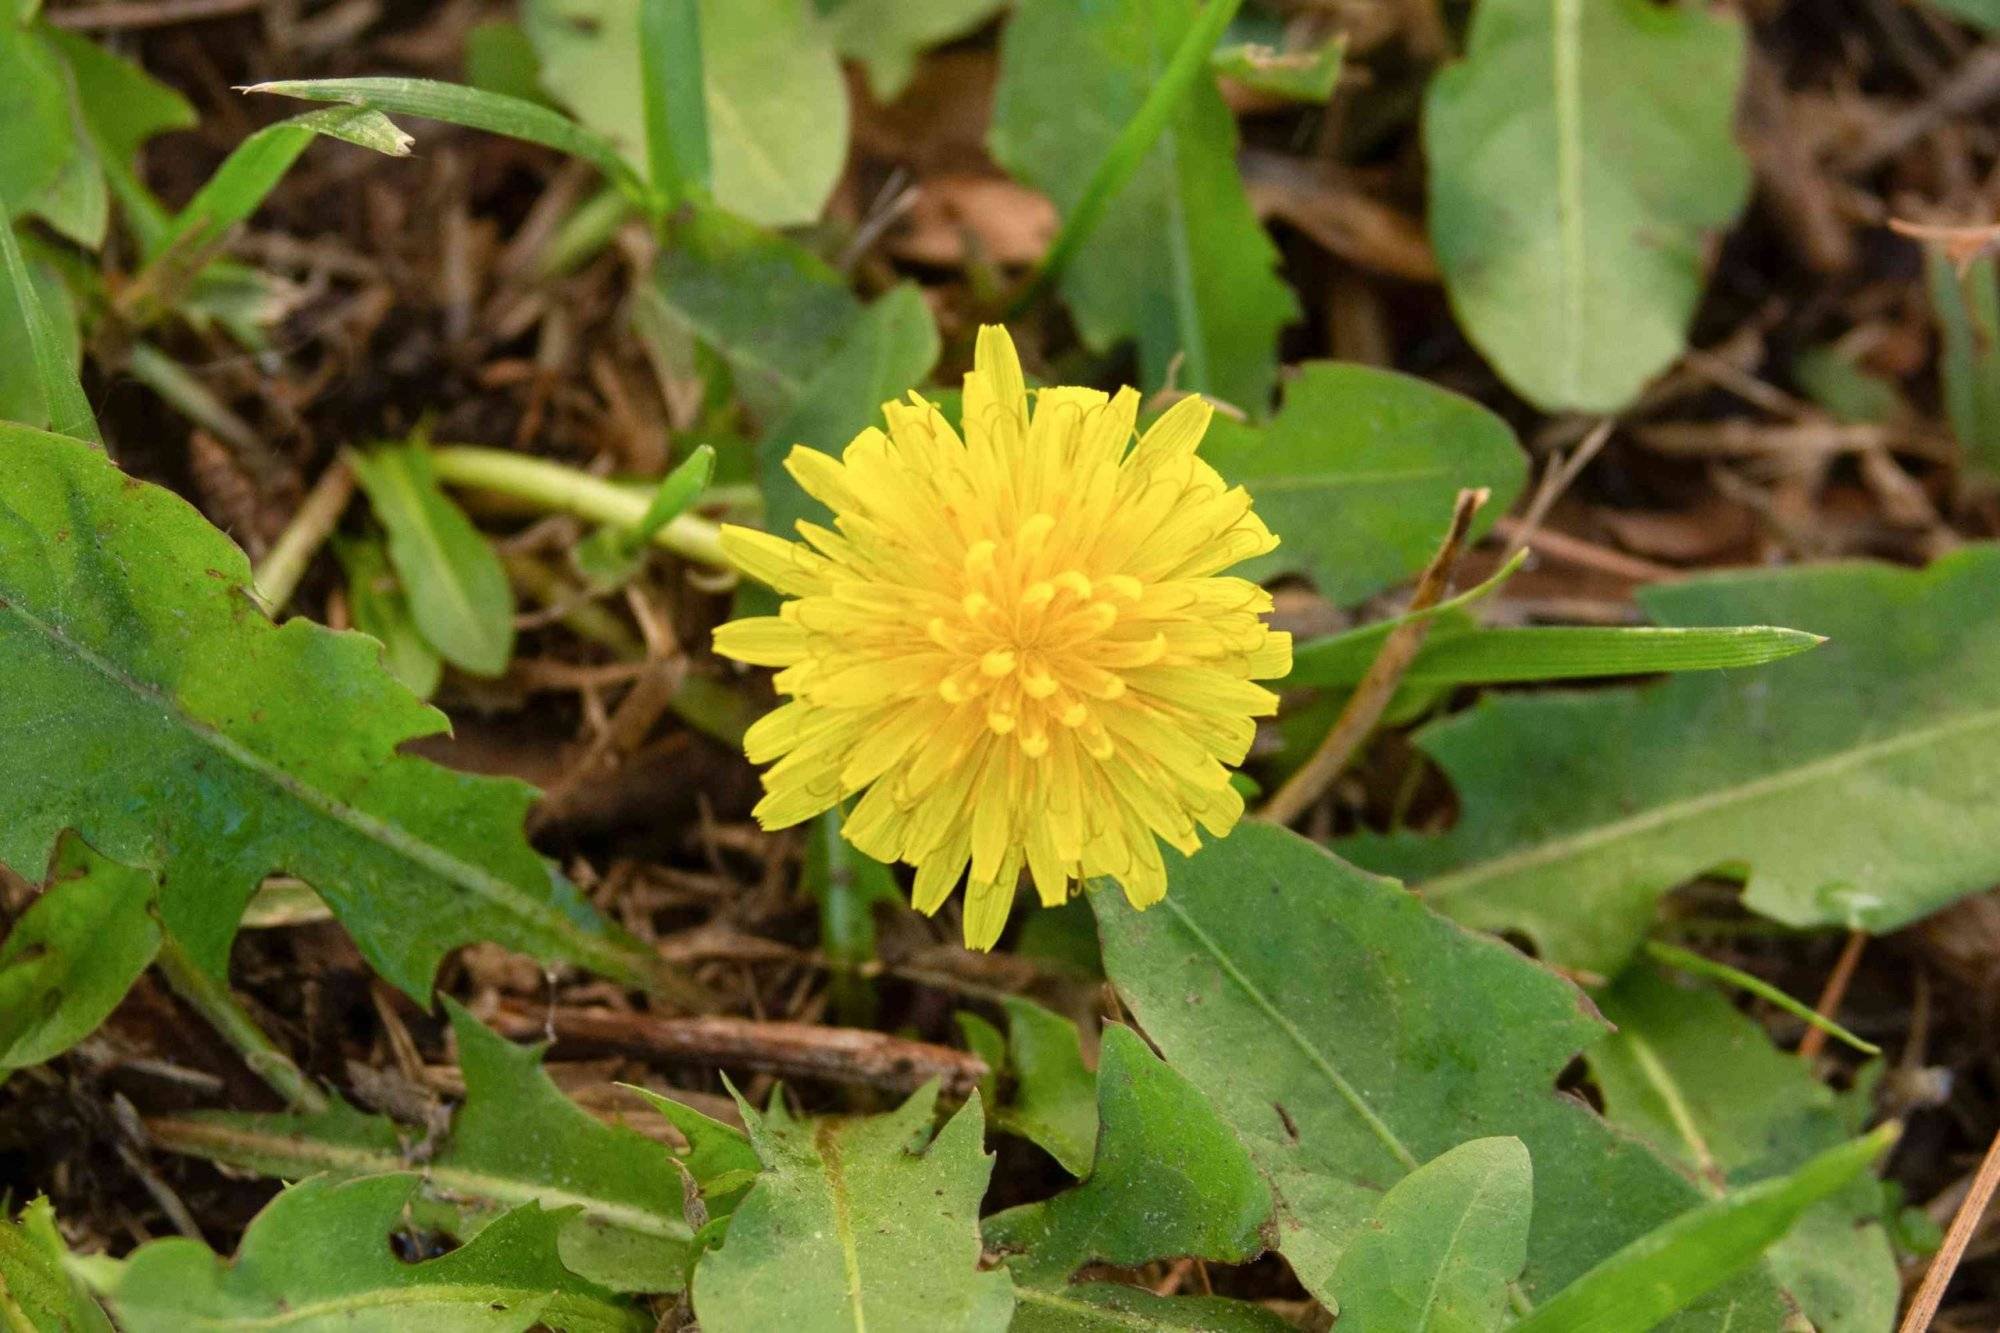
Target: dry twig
{"points": [[1364, 707], [1930, 1293]]}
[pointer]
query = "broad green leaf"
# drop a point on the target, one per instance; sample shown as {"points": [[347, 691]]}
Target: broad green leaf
{"points": [[1170, 1179], [1857, 782], [777, 110], [887, 36], [1054, 1102], [516, 1139], [1358, 471], [378, 607], [1701, 1082], [1666, 1270], [122, 107], [1108, 1307], [249, 174], [493, 112], [1442, 1246], [1580, 156], [318, 1258], [1967, 309], [772, 310], [44, 382], [243, 749], [1180, 263], [36, 1294], [44, 141], [1457, 652], [457, 588], [1348, 1035], [887, 351], [73, 954], [499, 58], [858, 1224]]}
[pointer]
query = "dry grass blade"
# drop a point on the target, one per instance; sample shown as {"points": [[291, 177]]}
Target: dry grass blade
{"points": [[1364, 708], [1930, 1294]]}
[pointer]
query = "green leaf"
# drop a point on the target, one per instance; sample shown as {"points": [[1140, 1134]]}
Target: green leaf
{"points": [[887, 36], [36, 1294], [1856, 782], [52, 352], [1348, 1035], [1298, 76], [516, 1139], [379, 609], [847, 884], [1055, 1097], [318, 1257], [21, 396], [499, 58], [855, 1224], [1832, 379], [1179, 263], [671, 87], [1983, 13], [612, 556], [1170, 1179], [243, 749], [1967, 309], [1458, 652], [1109, 1307], [73, 954], [1664, 1271], [493, 112], [776, 107], [1358, 472], [1580, 155], [122, 107], [773, 311], [457, 588], [888, 350], [44, 156], [249, 174], [1442, 1246], [1701, 1082]]}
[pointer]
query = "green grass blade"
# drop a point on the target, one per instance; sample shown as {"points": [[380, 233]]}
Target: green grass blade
{"points": [[1558, 652], [670, 70], [1190, 61], [1967, 309], [62, 392], [1668, 1268], [495, 113]]}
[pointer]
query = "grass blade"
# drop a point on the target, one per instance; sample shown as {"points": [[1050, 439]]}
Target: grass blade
{"points": [[62, 392], [1668, 1268], [495, 113], [1554, 652], [670, 69]]}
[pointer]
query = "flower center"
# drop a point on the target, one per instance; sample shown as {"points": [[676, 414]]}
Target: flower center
{"points": [[1037, 643]]}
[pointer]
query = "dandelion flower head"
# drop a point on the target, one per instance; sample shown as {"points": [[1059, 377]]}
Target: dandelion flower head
{"points": [[1016, 645]]}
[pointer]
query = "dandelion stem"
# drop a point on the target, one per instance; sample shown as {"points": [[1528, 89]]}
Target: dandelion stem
{"points": [[554, 486], [1129, 149], [1364, 707]]}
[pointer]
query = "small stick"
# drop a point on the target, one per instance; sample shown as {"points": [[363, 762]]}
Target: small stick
{"points": [[277, 578], [1831, 995], [1930, 1293], [130, 14], [1570, 550], [212, 1000], [1364, 707], [843, 1055]]}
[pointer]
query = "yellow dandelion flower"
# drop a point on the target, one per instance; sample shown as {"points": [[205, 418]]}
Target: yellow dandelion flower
{"points": [[1016, 645]]}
